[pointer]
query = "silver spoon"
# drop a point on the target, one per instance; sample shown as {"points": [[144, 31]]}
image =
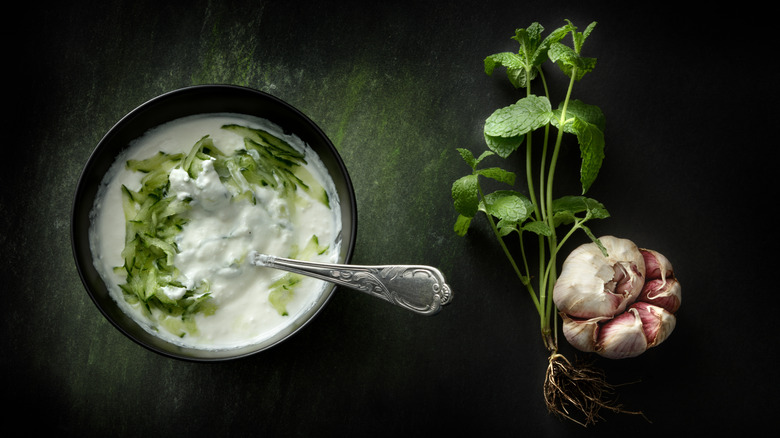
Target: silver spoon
{"points": [[418, 288]]}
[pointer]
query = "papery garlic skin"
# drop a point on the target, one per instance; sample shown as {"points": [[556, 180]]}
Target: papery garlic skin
{"points": [[661, 287], [656, 264], [582, 333], [622, 337], [657, 322], [632, 322], [666, 294], [627, 335], [592, 285]]}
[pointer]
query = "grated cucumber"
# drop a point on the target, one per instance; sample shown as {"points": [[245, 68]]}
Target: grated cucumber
{"points": [[153, 219]]}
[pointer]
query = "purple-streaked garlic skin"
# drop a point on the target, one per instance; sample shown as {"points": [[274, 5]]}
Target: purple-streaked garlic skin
{"points": [[656, 265], [632, 322], [657, 322], [582, 333], [666, 294], [622, 337], [661, 287], [591, 285]]}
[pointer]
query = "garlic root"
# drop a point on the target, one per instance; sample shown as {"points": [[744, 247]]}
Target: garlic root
{"points": [[578, 387]]}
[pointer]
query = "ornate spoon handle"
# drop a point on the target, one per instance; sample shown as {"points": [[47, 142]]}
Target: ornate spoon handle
{"points": [[418, 288]]}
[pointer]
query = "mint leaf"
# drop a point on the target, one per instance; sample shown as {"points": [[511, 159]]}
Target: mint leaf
{"points": [[576, 204], [567, 60], [595, 240], [465, 194], [583, 111], [482, 156], [522, 117], [587, 123], [591, 141], [507, 59], [555, 36], [538, 50], [529, 40], [504, 229], [521, 67], [508, 206], [519, 76], [580, 37], [504, 146], [539, 227], [498, 174], [462, 224], [468, 157], [566, 209], [519, 118]]}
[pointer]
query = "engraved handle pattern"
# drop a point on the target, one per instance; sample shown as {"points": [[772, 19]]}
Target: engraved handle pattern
{"points": [[421, 289]]}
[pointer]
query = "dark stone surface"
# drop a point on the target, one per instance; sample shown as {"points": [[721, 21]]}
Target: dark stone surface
{"points": [[397, 87]]}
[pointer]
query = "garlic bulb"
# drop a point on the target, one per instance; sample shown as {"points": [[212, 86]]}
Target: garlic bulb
{"points": [[620, 305], [592, 285]]}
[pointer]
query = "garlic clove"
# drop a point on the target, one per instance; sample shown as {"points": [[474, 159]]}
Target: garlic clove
{"points": [[629, 334], [591, 285], [657, 322], [622, 337], [661, 287], [656, 265], [582, 333], [663, 293]]}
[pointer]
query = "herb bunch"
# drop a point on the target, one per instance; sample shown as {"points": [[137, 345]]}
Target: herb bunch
{"points": [[549, 220]]}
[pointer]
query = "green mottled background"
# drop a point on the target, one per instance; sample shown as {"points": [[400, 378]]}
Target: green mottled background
{"points": [[397, 86]]}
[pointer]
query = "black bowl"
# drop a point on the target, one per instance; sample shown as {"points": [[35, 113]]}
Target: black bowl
{"points": [[170, 106]]}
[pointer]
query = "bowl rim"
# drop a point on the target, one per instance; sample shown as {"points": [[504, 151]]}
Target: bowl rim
{"points": [[79, 232]]}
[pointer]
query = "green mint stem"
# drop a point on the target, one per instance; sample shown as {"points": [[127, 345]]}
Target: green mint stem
{"points": [[545, 142], [528, 157], [538, 209], [511, 259], [542, 163], [568, 234], [548, 280]]}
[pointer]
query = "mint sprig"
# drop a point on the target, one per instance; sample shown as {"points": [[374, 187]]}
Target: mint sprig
{"points": [[540, 214], [523, 123], [535, 124], [521, 67]]}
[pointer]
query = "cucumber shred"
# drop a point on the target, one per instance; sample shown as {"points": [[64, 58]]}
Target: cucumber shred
{"points": [[153, 219], [282, 290]]}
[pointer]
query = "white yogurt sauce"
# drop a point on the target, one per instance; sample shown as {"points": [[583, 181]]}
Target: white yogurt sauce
{"points": [[220, 233]]}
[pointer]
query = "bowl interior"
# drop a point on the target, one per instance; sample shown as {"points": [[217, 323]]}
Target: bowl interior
{"points": [[170, 106]]}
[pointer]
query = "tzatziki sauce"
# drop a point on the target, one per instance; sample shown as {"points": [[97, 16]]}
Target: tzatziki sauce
{"points": [[214, 243]]}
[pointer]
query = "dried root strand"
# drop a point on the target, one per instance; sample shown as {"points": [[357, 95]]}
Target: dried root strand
{"points": [[579, 388]]}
